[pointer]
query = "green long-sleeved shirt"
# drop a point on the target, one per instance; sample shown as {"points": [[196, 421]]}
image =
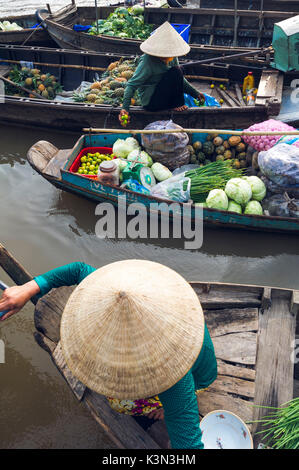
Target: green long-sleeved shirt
{"points": [[147, 75], [179, 401]]}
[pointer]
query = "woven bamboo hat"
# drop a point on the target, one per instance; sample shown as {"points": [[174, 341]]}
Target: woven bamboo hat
{"points": [[132, 329], [165, 42]]}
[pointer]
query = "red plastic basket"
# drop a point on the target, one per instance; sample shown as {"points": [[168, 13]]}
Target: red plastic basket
{"points": [[76, 163]]}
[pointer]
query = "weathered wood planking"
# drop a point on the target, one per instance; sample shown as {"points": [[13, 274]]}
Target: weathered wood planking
{"points": [[275, 367], [234, 335], [237, 334], [216, 295]]}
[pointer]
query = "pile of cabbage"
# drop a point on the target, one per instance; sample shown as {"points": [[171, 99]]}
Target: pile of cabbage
{"points": [[241, 195], [129, 150], [124, 23], [8, 26]]}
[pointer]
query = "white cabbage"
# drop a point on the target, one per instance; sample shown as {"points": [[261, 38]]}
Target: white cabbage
{"points": [[141, 157], [253, 207], [238, 190], [258, 187], [217, 199], [121, 148], [161, 172], [234, 207]]}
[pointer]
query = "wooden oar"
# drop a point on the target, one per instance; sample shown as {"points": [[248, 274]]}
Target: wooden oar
{"points": [[30, 92], [14, 269]]}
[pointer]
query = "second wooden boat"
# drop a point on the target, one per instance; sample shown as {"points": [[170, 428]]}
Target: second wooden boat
{"points": [[31, 34], [213, 31], [73, 67]]}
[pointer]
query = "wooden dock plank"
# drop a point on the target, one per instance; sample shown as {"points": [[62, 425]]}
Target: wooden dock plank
{"points": [[233, 370], [239, 348], [221, 322], [209, 401], [274, 367], [233, 385], [214, 296]]}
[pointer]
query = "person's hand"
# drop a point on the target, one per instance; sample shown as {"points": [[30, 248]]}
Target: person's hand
{"points": [[156, 414], [201, 97], [14, 298], [124, 117]]}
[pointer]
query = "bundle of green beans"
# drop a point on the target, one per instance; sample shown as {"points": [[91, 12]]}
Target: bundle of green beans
{"points": [[215, 175], [281, 426]]}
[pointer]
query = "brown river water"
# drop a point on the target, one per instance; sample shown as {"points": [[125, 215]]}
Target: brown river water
{"points": [[44, 228]]}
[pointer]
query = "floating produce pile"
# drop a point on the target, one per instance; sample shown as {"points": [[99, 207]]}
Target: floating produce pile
{"points": [[123, 23], [232, 178], [216, 148], [35, 80], [90, 163], [110, 89]]}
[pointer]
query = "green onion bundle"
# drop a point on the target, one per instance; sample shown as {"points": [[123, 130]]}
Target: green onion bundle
{"points": [[215, 175], [282, 426]]}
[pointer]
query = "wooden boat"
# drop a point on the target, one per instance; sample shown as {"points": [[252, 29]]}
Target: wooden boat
{"points": [[54, 165], [73, 67], [266, 5], [253, 367], [28, 35], [213, 31]]}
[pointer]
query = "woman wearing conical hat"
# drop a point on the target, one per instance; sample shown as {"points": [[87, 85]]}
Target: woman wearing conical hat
{"points": [[158, 78], [133, 331]]}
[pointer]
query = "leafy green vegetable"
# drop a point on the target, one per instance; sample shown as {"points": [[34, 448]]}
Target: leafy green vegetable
{"points": [[258, 187], [234, 207], [124, 23], [253, 207], [214, 175], [281, 426], [217, 199], [238, 190], [161, 172]]}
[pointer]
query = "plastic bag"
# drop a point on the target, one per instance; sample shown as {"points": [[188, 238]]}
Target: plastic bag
{"points": [[277, 205], [192, 103], [276, 189], [289, 139], [281, 205], [185, 168], [280, 165], [173, 189], [164, 143], [134, 185]]}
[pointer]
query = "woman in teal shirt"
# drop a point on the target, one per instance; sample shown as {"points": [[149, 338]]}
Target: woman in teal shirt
{"points": [[158, 78], [179, 401]]}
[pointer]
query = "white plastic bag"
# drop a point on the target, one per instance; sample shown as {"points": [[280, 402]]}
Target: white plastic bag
{"points": [[176, 189], [280, 165]]}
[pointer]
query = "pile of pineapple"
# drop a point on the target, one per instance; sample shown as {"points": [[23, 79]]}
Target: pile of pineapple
{"points": [[111, 87], [35, 80]]}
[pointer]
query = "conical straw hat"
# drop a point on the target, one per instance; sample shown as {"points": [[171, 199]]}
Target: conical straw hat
{"points": [[132, 329], [165, 42]]}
